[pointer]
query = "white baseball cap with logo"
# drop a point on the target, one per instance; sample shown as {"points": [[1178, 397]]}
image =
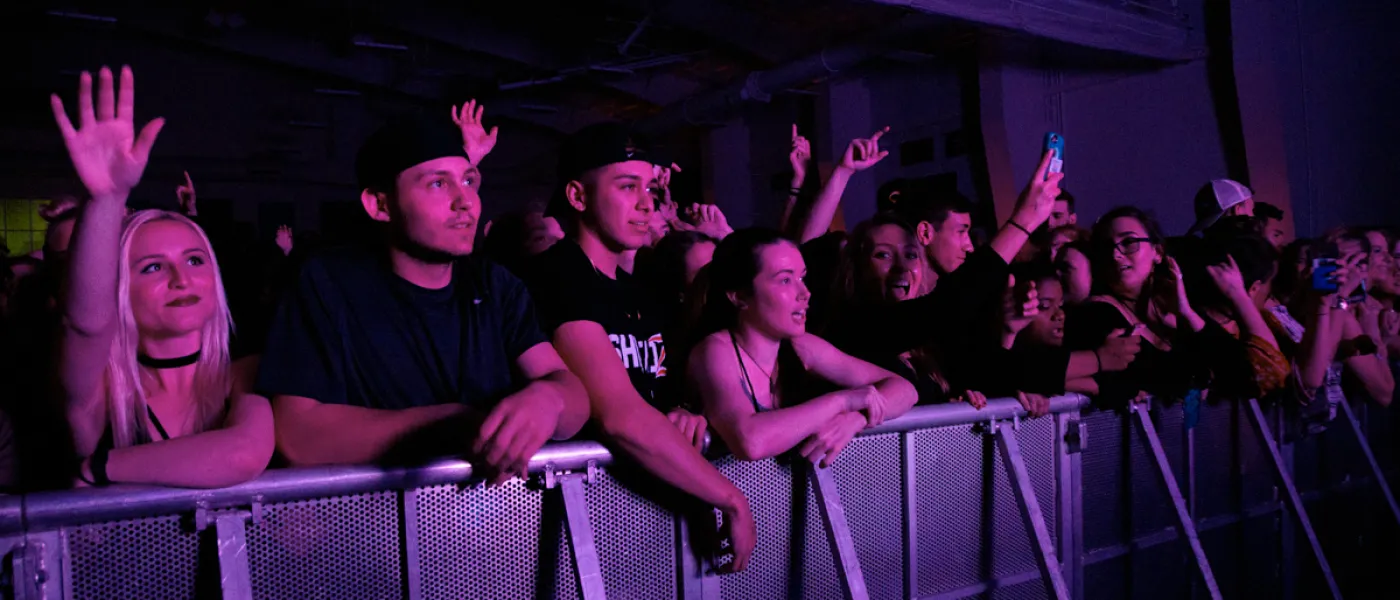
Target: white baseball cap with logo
{"points": [[1214, 199]]}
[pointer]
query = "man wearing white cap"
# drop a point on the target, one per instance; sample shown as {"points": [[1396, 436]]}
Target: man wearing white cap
{"points": [[1221, 198]]}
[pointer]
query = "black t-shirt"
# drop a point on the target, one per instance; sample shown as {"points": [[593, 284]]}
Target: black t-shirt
{"points": [[569, 288], [352, 332]]}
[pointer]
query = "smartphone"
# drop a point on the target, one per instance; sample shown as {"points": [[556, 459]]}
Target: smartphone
{"points": [[1322, 272], [1055, 142]]}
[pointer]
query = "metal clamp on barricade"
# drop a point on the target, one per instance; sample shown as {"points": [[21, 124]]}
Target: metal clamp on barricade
{"points": [[587, 570]]}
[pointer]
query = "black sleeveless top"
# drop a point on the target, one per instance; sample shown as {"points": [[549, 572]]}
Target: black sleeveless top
{"points": [[108, 442]]}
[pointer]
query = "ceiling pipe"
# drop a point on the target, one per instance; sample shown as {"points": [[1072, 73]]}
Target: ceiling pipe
{"points": [[1117, 27], [760, 86]]}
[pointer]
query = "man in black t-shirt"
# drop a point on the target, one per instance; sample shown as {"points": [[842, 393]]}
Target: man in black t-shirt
{"points": [[606, 328], [376, 349]]}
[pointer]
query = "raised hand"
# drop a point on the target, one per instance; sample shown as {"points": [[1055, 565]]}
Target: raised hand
{"points": [[709, 220], [475, 139], [284, 239], [799, 156], [861, 154], [1018, 310], [1228, 279], [1037, 200], [184, 194], [106, 152], [1349, 274]]}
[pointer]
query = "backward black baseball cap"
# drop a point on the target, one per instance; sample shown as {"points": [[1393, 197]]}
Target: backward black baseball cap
{"points": [[596, 146], [402, 143]]}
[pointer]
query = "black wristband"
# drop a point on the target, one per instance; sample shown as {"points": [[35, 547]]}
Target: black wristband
{"points": [[1013, 223], [97, 463]]}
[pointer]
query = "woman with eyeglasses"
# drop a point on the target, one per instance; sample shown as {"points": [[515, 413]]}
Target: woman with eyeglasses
{"points": [[1139, 290]]}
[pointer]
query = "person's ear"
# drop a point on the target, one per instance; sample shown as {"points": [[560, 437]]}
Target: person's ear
{"points": [[924, 232], [734, 299], [577, 196], [1073, 218], [376, 204]]}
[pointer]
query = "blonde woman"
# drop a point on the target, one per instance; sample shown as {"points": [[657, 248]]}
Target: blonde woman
{"points": [[151, 394]]}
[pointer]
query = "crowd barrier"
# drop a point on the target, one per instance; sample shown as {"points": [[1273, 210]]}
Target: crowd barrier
{"points": [[943, 502]]}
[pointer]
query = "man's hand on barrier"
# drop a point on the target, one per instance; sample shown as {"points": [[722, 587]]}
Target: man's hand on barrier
{"points": [[823, 447], [1119, 350], [513, 432], [742, 534], [1035, 404], [692, 426]]}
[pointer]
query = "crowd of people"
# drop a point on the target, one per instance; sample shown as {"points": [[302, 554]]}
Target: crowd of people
{"points": [[615, 313]]}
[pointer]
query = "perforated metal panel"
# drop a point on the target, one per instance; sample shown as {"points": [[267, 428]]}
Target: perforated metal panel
{"points": [[1151, 509], [1026, 590], [868, 475], [336, 548], [1106, 494], [1255, 469], [152, 559], [787, 561], [636, 540], [1326, 459], [960, 476], [1217, 460], [1244, 558], [501, 542], [816, 564]]}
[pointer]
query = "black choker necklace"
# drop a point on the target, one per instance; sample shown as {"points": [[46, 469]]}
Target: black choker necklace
{"points": [[167, 363]]}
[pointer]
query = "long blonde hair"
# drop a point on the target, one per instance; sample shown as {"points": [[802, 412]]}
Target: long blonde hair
{"points": [[126, 397]]}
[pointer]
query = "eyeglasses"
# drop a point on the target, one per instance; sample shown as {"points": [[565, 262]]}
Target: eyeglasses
{"points": [[1130, 246]]}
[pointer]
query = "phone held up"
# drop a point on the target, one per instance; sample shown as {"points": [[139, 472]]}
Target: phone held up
{"points": [[1324, 276], [1055, 142]]}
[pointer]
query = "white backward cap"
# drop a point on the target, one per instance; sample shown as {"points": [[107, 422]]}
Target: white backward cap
{"points": [[1214, 199]]}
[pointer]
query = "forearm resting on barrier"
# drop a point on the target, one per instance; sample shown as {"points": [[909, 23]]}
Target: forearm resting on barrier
{"points": [[313, 433], [234, 454]]}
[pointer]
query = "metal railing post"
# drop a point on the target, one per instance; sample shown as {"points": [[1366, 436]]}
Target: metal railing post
{"points": [[1169, 483], [409, 512], [910, 540], [1295, 502], [838, 534], [235, 581], [1069, 498], [1031, 515], [587, 568]]}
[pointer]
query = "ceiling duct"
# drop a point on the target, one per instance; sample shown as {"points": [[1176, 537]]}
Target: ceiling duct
{"points": [[761, 85]]}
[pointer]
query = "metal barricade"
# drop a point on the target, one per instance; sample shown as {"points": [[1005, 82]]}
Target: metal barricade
{"points": [[944, 502]]}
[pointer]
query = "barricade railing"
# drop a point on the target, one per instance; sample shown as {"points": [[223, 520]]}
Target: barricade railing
{"points": [[944, 502]]}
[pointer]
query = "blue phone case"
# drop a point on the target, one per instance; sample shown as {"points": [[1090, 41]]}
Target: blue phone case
{"points": [[1056, 142]]}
